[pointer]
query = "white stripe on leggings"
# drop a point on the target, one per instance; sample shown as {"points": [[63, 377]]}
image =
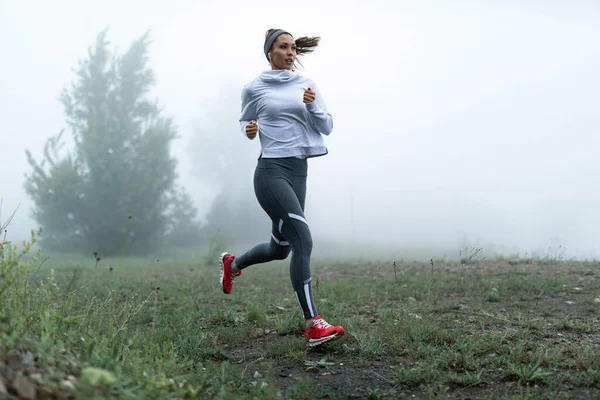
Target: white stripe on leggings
{"points": [[307, 294], [298, 217], [280, 242], [299, 305]]}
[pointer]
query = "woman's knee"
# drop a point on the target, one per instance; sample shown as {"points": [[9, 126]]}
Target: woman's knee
{"points": [[280, 252], [301, 239]]}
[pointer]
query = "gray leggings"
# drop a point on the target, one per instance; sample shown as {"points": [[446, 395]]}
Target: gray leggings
{"points": [[280, 187]]}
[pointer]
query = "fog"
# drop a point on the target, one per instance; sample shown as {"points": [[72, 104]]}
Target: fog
{"points": [[455, 123]]}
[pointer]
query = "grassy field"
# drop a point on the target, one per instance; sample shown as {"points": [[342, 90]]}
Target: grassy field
{"points": [[161, 328]]}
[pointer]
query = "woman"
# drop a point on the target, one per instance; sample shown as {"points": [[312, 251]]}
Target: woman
{"points": [[287, 112]]}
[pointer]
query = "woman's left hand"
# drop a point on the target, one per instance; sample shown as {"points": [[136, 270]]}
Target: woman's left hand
{"points": [[309, 96]]}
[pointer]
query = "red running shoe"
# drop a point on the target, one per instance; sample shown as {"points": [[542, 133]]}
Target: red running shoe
{"points": [[226, 275], [321, 332]]}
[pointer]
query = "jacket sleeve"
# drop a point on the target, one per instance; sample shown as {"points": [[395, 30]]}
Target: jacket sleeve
{"points": [[318, 114], [248, 112]]}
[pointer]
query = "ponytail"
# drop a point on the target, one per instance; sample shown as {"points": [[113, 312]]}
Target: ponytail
{"points": [[304, 44]]}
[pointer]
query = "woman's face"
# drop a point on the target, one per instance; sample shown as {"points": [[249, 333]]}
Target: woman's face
{"points": [[283, 52]]}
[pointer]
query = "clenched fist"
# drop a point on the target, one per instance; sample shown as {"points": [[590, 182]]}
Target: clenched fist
{"points": [[309, 96], [251, 129]]}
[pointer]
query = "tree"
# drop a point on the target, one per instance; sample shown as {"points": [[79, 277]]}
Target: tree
{"points": [[225, 159], [112, 192], [183, 228]]}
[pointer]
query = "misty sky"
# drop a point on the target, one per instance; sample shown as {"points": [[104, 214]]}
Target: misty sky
{"points": [[452, 120]]}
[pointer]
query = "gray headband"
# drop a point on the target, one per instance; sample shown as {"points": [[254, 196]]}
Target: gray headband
{"points": [[272, 39]]}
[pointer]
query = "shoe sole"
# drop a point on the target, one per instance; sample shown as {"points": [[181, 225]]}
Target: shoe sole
{"points": [[323, 340], [222, 270]]}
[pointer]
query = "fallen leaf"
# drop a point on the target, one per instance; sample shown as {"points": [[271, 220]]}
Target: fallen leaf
{"points": [[257, 333], [569, 302], [257, 375]]}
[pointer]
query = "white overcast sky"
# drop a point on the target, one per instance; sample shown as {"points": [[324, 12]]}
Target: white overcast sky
{"points": [[452, 120]]}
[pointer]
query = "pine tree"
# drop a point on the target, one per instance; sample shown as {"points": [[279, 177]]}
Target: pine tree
{"points": [[112, 192]]}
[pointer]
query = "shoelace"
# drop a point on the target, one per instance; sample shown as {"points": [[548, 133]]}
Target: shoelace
{"points": [[321, 324]]}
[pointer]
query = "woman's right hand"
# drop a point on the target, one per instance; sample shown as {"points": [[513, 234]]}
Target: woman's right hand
{"points": [[251, 129]]}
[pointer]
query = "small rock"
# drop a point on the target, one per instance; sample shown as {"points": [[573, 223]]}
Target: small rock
{"points": [[412, 299], [3, 391], [578, 289], [569, 302], [14, 362], [267, 331], [37, 378], [494, 289], [273, 332], [28, 358], [24, 388], [597, 300], [257, 375], [67, 385]]}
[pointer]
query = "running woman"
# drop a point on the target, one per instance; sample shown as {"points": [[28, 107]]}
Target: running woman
{"points": [[287, 112]]}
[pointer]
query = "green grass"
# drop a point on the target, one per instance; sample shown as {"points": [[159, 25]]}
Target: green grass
{"points": [[161, 328]]}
